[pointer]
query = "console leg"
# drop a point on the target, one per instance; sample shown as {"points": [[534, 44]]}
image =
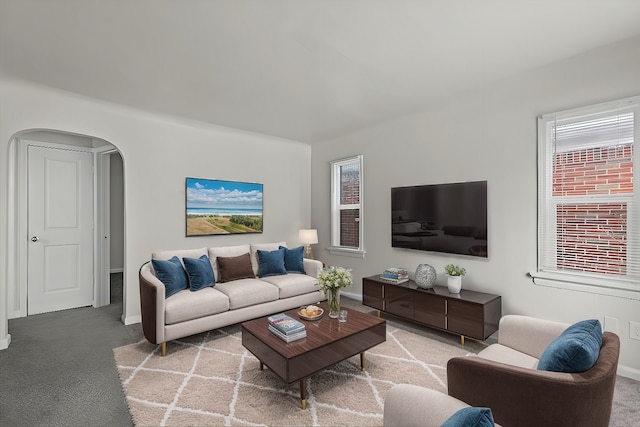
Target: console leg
{"points": [[362, 362], [462, 339], [163, 349]]}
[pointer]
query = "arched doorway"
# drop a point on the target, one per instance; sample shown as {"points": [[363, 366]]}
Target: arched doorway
{"points": [[104, 193]]}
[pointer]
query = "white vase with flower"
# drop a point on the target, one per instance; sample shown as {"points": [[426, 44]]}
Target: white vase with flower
{"points": [[331, 280], [454, 277]]}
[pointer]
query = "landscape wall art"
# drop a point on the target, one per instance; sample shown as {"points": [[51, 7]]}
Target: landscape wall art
{"points": [[222, 207]]}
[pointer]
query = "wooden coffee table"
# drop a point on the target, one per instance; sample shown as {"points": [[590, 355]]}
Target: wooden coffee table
{"points": [[328, 342]]}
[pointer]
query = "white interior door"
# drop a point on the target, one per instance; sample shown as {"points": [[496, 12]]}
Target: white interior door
{"points": [[60, 224]]}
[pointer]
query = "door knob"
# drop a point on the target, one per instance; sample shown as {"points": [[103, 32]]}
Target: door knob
{"points": [[35, 239]]}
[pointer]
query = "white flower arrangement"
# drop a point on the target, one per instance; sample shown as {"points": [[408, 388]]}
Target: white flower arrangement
{"points": [[334, 278]]}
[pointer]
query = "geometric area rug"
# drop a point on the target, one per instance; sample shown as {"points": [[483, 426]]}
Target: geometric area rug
{"points": [[211, 379]]}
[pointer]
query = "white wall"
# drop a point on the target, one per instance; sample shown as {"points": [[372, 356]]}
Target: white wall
{"points": [[488, 134], [158, 153]]}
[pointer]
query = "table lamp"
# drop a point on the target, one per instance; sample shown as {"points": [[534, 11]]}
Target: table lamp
{"points": [[308, 238]]}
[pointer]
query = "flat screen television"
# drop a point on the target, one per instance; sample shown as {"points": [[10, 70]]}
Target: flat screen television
{"points": [[448, 218]]}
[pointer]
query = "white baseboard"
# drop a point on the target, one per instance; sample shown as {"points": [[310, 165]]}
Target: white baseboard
{"points": [[627, 372], [357, 297], [116, 270], [4, 342], [131, 320]]}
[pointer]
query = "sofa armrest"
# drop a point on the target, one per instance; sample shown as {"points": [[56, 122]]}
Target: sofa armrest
{"points": [[528, 335], [152, 305], [312, 267], [528, 397], [409, 405]]}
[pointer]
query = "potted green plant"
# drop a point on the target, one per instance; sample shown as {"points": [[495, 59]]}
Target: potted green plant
{"points": [[331, 280], [454, 279]]}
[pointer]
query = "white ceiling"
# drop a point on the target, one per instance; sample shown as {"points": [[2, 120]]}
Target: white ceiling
{"points": [[306, 70]]}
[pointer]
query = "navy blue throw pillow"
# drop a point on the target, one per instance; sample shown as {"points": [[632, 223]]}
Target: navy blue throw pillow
{"points": [[293, 259], [470, 417], [271, 263], [575, 350], [199, 272], [171, 274]]}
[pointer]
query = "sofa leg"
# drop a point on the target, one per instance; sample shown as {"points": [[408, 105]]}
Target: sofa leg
{"points": [[163, 349]]}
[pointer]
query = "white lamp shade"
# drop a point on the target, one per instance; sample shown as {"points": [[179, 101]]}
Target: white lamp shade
{"points": [[308, 237]]}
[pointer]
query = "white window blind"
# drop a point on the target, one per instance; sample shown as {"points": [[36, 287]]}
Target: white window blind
{"points": [[588, 202]]}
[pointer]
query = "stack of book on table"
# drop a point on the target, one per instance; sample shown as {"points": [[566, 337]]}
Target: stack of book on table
{"points": [[395, 275], [286, 327]]}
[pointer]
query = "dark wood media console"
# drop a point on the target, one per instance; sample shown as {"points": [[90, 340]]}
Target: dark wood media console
{"points": [[468, 314]]}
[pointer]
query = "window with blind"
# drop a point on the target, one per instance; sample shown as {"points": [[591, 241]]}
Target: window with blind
{"points": [[588, 203], [346, 207]]}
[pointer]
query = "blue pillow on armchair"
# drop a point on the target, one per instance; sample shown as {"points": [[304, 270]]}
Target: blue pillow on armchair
{"points": [[470, 417], [575, 350]]}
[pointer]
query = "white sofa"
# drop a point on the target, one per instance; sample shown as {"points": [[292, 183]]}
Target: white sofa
{"points": [[188, 313]]}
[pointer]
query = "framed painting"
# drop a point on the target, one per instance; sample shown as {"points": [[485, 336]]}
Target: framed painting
{"points": [[215, 206]]}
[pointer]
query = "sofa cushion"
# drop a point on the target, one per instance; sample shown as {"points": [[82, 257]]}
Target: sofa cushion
{"points": [[225, 251], [234, 268], [271, 263], [263, 247], [470, 417], [171, 274], [186, 305], [290, 285], [575, 350], [199, 272], [294, 259], [504, 354], [246, 292]]}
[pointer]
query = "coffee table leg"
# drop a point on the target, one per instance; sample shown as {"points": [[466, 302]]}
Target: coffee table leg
{"points": [[303, 393], [261, 365], [362, 362]]}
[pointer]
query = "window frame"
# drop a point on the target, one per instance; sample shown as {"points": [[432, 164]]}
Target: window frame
{"points": [[336, 207], [598, 283]]}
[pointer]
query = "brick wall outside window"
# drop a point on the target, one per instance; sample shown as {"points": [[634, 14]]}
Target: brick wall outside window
{"points": [[349, 194], [600, 170], [349, 228], [592, 236], [349, 185]]}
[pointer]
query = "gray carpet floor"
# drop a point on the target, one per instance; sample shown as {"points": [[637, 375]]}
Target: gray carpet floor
{"points": [[59, 369]]}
